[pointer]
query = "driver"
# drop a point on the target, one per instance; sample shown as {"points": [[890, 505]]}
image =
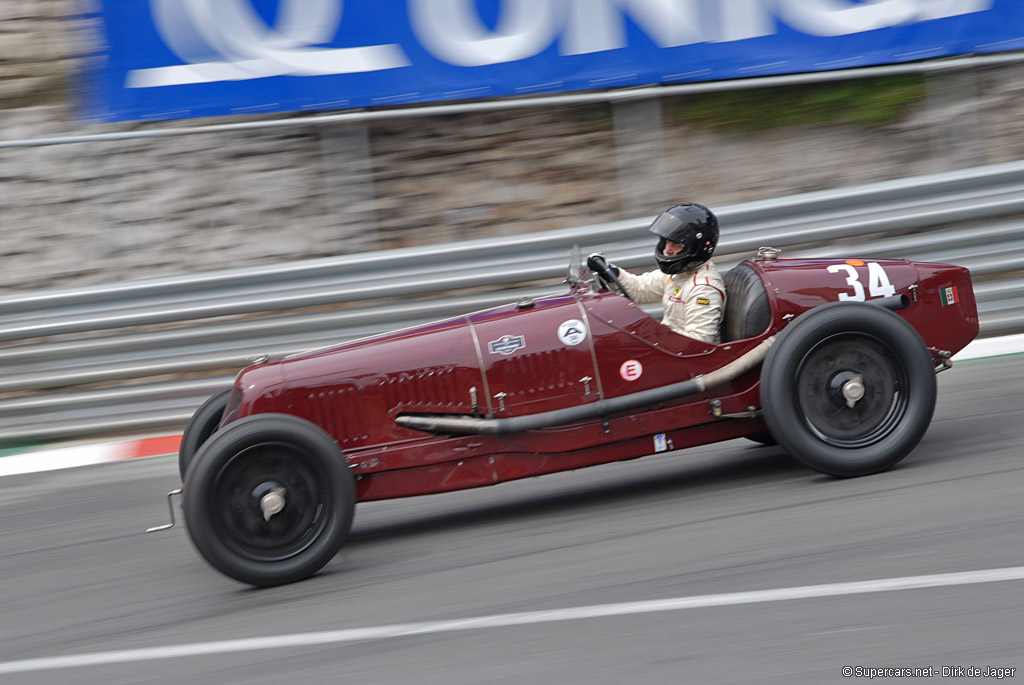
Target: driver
{"points": [[689, 286]]}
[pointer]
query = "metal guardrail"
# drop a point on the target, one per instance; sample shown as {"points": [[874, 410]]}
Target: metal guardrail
{"points": [[139, 356]]}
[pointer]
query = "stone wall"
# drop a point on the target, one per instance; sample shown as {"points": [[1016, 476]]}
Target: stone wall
{"points": [[101, 212], [37, 46]]}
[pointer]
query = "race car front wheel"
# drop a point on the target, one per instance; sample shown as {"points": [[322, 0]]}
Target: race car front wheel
{"points": [[201, 426], [269, 499], [848, 389]]}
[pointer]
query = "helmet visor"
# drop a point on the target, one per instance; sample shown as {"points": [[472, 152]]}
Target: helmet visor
{"points": [[670, 227]]}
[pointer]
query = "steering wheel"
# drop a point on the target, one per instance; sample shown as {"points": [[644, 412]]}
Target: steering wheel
{"points": [[609, 277]]}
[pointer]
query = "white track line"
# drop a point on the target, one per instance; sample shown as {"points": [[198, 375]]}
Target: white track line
{"points": [[518, 619]]}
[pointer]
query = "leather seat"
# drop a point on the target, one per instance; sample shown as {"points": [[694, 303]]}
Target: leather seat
{"points": [[747, 312]]}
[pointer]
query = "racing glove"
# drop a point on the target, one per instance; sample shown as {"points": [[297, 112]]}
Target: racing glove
{"points": [[601, 266]]}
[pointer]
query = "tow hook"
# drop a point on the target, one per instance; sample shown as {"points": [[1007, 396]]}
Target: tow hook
{"points": [[170, 508]]}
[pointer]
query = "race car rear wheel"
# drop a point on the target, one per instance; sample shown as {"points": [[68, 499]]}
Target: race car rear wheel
{"points": [[201, 426], [269, 499], [848, 389]]}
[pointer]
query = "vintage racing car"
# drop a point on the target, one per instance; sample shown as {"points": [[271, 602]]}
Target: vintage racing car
{"points": [[835, 360]]}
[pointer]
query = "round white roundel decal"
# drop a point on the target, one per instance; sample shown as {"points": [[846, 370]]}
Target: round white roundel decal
{"points": [[572, 332], [631, 370]]}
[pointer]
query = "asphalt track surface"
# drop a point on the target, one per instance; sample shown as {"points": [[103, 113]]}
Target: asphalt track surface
{"points": [[727, 563]]}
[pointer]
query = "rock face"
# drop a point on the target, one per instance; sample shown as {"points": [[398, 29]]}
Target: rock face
{"points": [[36, 46], [100, 212]]}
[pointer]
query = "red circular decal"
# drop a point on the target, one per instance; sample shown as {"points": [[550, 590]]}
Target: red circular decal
{"points": [[631, 370]]}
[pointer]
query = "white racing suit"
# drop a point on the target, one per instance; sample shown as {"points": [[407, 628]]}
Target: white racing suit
{"points": [[693, 301]]}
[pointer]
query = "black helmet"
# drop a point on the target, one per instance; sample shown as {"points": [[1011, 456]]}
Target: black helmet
{"points": [[691, 225]]}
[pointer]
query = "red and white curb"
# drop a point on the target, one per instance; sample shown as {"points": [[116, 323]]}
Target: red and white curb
{"points": [[52, 458]]}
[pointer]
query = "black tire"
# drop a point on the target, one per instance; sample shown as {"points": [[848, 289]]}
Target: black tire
{"points": [[242, 466], [825, 350], [763, 438], [201, 426]]}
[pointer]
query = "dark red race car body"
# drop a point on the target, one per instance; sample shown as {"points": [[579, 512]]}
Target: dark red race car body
{"points": [[587, 346]]}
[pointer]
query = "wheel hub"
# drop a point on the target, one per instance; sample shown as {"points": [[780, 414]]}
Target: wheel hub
{"points": [[853, 390], [268, 498], [272, 503], [849, 391]]}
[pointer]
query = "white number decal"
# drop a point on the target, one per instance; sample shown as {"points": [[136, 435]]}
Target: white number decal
{"points": [[879, 284], [878, 281], [851, 280]]}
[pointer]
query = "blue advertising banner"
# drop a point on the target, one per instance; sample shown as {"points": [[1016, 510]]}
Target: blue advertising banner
{"points": [[168, 59]]}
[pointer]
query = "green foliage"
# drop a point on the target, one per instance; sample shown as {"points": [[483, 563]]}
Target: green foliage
{"points": [[864, 102], [589, 118]]}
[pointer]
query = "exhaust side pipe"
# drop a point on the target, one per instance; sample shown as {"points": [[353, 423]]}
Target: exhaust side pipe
{"points": [[470, 425]]}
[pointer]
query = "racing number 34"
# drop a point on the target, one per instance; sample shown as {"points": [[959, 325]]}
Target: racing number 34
{"points": [[878, 281]]}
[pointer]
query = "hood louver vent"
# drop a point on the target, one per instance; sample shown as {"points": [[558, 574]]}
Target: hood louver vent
{"points": [[431, 389]]}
